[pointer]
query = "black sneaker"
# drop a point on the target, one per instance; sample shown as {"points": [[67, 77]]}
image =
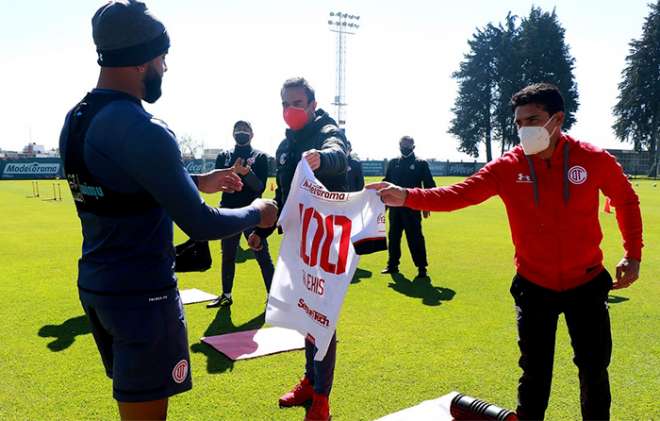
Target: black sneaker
{"points": [[390, 269], [221, 301]]}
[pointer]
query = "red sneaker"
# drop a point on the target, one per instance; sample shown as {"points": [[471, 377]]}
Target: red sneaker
{"points": [[320, 409], [299, 395]]}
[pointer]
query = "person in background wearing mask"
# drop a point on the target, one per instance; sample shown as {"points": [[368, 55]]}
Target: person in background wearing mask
{"points": [[550, 187], [314, 136], [407, 171], [252, 166], [354, 173], [128, 182]]}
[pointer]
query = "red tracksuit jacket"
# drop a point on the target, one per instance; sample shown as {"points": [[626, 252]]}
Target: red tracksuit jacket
{"points": [[555, 230]]}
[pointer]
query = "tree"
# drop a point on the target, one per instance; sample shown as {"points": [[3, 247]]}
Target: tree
{"points": [[545, 57], [190, 147], [637, 111], [502, 60], [472, 108], [507, 69]]}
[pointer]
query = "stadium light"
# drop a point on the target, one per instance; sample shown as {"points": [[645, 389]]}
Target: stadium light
{"points": [[342, 24]]}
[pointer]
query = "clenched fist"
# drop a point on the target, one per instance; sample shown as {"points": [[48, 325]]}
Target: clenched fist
{"points": [[313, 158], [254, 242], [268, 210]]}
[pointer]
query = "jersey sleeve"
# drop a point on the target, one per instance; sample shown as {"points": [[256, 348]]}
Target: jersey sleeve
{"points": [[370, 237]]}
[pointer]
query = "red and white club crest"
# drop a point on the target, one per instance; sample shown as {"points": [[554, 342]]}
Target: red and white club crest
{"points": [[577, 174], [180, 371]]}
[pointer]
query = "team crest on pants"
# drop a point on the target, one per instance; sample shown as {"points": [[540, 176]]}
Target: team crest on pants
{"points": [[577, 174], [180, 371]]}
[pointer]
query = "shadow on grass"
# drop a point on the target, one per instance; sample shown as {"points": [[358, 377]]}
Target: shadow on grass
{"points": [[615, 299], [361, 274], [421, 288], [65, 334], [243, 255], [217, 362]]}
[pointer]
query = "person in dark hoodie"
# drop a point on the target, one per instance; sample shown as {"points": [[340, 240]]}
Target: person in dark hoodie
{"points": [[407, 171], [314, 136], [252, 166]]}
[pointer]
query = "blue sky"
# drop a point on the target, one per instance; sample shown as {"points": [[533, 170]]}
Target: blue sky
{"points": [[229, 58]]}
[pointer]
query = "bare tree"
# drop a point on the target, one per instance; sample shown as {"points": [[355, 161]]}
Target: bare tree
{"points": [[190, 147]]}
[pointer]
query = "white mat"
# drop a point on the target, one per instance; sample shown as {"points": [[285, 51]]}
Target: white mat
{"points": [[194, 295], [432, 410], [256, 343]]}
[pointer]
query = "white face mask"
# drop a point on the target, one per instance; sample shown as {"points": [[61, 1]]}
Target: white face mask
{"points": [[534, 139]]}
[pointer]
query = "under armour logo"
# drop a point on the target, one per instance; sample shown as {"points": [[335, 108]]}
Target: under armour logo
{"points": [[523, 178]]}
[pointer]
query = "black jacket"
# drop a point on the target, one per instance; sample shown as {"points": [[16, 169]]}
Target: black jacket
{"points": [[322, 134], [354, 175], [409, 172], [254, 183]]}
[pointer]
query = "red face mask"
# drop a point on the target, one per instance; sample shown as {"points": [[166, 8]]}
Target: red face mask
{"points": [[296, 118]]}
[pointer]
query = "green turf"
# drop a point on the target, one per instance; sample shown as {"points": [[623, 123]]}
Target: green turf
{"points": [[401, 342]]}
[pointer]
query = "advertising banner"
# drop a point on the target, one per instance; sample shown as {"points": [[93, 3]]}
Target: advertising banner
{"points": [[30, 169]]}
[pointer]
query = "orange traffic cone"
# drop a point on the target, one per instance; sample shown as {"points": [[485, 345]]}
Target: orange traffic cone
{"points": [[608, 205]]}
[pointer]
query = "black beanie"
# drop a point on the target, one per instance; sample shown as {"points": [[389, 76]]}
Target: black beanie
{"points": [[243, 123], [127, 34]]}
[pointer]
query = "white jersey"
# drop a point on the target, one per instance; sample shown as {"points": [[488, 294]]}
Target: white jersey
{"points": [[324, 234]]}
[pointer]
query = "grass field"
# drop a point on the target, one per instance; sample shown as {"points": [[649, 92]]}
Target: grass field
{"points": [[401, 341]]}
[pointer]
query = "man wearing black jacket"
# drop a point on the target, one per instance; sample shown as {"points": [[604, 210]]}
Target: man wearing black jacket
{"points": [[314, 136], [407, 171], [252, 165]]}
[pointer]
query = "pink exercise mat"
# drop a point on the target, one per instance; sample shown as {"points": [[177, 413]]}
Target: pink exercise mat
{"points": [[256, 343]]}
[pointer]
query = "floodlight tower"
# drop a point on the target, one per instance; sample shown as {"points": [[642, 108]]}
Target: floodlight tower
{"points": [[342, 24]]}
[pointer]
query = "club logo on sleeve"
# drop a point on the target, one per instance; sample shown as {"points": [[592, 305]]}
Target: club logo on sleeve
{"points": [[577, 174], [180, 371]]}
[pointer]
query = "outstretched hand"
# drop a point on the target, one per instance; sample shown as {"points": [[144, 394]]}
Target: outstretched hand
{"points": [[219, 181], [392, 195]]}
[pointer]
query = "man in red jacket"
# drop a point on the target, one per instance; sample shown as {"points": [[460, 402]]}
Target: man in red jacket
{"points": [[550, 187]]}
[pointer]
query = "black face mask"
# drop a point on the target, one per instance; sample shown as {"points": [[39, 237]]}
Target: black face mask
{"points": [[152, 81], [405, 151], [242, 138]]}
